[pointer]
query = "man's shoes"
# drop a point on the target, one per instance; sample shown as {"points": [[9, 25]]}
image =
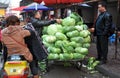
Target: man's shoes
{"points": [[98, 59], [102, 62]]}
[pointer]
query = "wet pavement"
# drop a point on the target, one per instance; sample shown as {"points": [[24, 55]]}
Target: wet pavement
{"points": [[109, 70], [60, 71], [112, 68]]}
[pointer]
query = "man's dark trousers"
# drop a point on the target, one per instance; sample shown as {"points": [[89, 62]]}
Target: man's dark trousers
{"points": [[102, 47]]}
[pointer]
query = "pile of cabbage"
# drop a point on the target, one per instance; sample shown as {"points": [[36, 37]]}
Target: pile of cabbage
{"points": [[67, 41]]}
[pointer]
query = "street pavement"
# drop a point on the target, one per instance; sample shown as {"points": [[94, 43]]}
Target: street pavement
{"points": [[60, 71], [112, 68], [109, 70]]}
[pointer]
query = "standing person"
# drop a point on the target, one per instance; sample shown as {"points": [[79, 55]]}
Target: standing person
{"points": [[38, 24], [102, 26]]}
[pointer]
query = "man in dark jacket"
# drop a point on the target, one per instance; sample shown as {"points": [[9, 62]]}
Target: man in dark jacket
{"points": [[102, 26], [39, 24]]}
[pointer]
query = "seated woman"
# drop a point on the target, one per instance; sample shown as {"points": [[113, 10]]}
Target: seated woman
{"points": [[13, 38]]}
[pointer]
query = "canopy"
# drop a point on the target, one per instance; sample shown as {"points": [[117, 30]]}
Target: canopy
{"points": [[51, 2], [19, 8], [36, 7]]}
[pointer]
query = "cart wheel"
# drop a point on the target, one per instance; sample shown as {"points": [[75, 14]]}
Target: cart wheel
{"points": [[79, 65]]}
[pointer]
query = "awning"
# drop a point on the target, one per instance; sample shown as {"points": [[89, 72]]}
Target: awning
{"points": [[51, 2], [19, 8]]}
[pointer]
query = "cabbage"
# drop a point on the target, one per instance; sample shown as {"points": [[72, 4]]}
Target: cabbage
{"points": [[52, 56], [68, 29], [79, 28], [74, 33], [44, 31], [67, 41], [84, 33], [85, 27], [67, 56], [84, 51], [77, 39], [58, 43], [78, 56], [79, 23], [86, 45], [68, 21], [50, 39], [70, 49], [60, 36], [44, 36], [87, 39], [78, 49], [59, 28], [61, 57], [52, 29], [81, 50], [78, 45], [47, 44], [77, 17], [72, 43], [53, 50]]}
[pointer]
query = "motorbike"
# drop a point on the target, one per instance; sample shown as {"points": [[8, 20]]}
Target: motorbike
{"points": [[15, 67]]}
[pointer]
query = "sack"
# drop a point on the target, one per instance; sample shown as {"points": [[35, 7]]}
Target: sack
{"points": [[111, 30]]}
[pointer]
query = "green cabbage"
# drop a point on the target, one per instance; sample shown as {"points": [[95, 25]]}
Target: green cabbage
{"points": [[50, 39], [74, 33], [47, 44], [86, 45], [68, 29], [87, 39], [84, 33], [77, 17], [52, 56], [77, 39], [68, 21], [60, 36], [58, 43], [84, 51], [79, 28], [53, 49], [78, 56]]}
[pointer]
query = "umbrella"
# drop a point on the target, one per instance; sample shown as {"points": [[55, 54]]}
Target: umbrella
{"points": [[84, 5], [19, 8], [37, 7]]}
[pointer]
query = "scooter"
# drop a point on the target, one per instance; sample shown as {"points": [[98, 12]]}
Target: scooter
{"points": [[16, 67]]}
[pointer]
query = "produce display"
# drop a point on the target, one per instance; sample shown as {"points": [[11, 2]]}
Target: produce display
{"points": [[67, 41]]}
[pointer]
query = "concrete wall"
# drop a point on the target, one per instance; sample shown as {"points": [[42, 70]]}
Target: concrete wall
{"points": [[88, 14]]}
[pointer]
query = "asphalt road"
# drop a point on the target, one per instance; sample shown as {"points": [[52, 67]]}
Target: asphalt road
{"points": [[60, 71]]}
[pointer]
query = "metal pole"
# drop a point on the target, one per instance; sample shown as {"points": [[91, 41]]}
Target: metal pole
{"points": [[116, 30]]}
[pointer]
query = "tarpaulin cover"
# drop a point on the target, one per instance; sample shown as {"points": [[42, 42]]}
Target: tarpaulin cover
{"points": [[51, 2]]}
